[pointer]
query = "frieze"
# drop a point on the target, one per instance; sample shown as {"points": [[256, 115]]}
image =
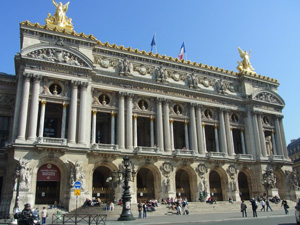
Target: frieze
{"points": [[176, 76], [193, 81], [267, 97], [57, 55], [125, 67], [105, 62], [142, 69], [206, 82]]}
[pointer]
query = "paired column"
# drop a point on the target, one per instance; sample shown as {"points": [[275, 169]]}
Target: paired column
{"points": [[274, 144], [243, 142], [129, 122], [284, 149], [42, 118], [167, 126], [24, 106], [200, 134], [82, 113], [217, 138], [113, 124], [63, 121], [33, 117], [172, 134], [256, 134], [94, 126], [159, 124], [121, 121], [151, 131], [204, 138], [186, 134], [193, 129], [229, 138], [135, 138], [73, 113], [222, 131], [262, 136]]}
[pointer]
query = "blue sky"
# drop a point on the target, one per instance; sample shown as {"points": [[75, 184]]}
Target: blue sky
{"points": [[212, 31]]}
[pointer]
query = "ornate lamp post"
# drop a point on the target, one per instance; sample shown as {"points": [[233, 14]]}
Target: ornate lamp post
{"points": [[126, 214]]}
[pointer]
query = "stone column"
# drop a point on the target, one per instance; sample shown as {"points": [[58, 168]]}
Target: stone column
{"points": [[63, 121], [201, 139], [121, 122], [24, 106], [42, 118], [73, 113], [113, 124], [159, 125], [278, 137], [256, 135], [33, 117], [152, 131], [243, 141], [82, 113], [167, 126], [222, 132], [284, 149], [217, 138], [193, 131], [186, 134], [129, 122], [172, 134], [204, 138], [262, 136], [274, 143], [135, 134], [249, 133], [229, 138], [94, 126]]}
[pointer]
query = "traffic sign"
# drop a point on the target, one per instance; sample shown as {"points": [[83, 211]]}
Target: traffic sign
{"points": [[77, 185], [77, 192]]}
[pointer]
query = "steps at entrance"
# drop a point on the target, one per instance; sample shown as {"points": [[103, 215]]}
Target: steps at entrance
{"points": [[193, 207]]}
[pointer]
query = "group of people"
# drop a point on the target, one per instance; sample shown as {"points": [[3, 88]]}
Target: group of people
{"points": [[92, 202], [265, 206], [30, 216], [177, 204]]}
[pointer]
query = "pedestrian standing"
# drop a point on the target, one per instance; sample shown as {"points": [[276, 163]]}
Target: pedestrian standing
{"points": [[44, 215], [140, 209], [112, 206], [145, 210], [244, 209], [268, 205], [179, 209], [254, 207], [262, 203], [285, 206]]}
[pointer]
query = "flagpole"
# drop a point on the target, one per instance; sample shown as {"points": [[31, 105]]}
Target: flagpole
{"points": [[185, 51], [155, 43]]}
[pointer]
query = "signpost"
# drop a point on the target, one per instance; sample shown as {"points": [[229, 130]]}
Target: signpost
{"points": [[77, 186]]}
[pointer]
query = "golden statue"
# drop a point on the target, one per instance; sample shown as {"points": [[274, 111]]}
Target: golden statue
{"points": [[59, 18], [244, 65]]}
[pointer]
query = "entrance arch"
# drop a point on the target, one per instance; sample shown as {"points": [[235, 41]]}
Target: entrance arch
{"points": [[145, 185], [183, 187], [243, 186], [280, 184], [48, 184], [215, 185], [102, 187]]}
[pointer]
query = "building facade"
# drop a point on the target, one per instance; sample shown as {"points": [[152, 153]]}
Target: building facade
{"points": [[294, 153], [78, 106]]}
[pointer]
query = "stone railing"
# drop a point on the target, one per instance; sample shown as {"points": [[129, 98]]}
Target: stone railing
{"points": [[183, 152], [216, 155], [244, 157], [104, 147], [276, 158], [141, 149], [52, 141]]}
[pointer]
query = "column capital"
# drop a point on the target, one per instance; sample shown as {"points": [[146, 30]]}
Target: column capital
{"points": [[171, 120], [152, 118], [200, 106], [27, 76], [94, 111], [37, 77], [222, 109], [242, 130], [84, 84], [193, 104], [135, 116], [279, 116], [43, 102], [64, 105], [215, 125], [112, 114], [186, 122], [75, 83], [203, 124]]}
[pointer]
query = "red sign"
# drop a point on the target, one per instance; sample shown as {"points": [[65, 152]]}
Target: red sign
{"points": [[48, 172]]}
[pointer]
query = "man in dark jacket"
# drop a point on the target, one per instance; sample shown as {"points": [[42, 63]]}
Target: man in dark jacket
{"points": [[254, 207], [24, 216]]}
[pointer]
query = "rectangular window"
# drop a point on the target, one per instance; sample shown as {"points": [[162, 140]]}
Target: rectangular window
{"points": [[4, 130]]}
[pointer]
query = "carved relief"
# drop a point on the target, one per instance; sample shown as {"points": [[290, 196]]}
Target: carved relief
{"points": [[267, 97], [192, 80], [206, 82], [104, 62], [221, 87], [24, 174], [57, 55], [201, 169], [231, 171], [76, 174], [161, 74], [269, 179], [125, 67], [141, 69], [292, 180], [166, 168]]}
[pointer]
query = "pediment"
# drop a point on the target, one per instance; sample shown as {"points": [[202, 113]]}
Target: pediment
{"points": [[268, 96], [58, 54]]}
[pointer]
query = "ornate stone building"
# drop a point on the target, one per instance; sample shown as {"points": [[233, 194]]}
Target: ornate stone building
{"points": [[82, 105]]}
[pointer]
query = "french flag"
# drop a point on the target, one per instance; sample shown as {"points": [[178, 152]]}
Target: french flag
{"points": [[182, 51]]}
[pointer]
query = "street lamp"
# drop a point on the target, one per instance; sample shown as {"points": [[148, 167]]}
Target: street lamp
{"points": [[126, 214]]}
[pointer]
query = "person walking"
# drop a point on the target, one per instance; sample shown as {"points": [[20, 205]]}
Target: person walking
{"points": [[44, 215], [244, 209], [145, 210], [285, 206], [178, 209], [268, 205], [140, 209], [184, 204], [254, 207], [112, 206], [262, 203]]}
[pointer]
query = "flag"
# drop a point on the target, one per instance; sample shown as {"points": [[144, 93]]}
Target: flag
{"points": [[153, 42], [182, 51]]}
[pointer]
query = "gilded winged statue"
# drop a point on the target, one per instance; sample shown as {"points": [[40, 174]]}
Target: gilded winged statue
{"points": [[59, 18], [245, 64]]}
